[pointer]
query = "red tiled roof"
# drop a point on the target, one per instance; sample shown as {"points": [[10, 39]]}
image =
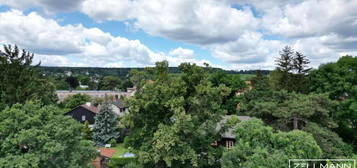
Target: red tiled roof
{"points": [[107, 152], [90, 108]]}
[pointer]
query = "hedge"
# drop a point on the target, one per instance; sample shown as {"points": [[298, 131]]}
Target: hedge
{"points": [[120, 162]]}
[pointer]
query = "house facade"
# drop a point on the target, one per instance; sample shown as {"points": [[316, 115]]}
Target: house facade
{"points": [[84, 112]]}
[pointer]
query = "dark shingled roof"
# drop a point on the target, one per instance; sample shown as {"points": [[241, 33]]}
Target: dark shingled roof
{"points": [[90, 108], [229, 133]]}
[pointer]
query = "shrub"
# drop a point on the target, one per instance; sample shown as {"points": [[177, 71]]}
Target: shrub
{"points": [[113, 142], [120, 162]]}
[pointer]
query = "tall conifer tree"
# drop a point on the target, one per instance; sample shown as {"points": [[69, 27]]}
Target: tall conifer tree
{"points": [[105, 126]]}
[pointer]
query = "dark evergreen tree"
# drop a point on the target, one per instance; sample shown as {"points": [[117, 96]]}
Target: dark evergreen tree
{"points": [[300, 63], [105, 126], [285, 61], [300, 68], [72, 82], [285, 65], [291, 72]]}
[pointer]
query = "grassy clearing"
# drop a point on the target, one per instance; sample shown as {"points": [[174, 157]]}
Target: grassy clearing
{"points": [[120, 150], [246, 76]]}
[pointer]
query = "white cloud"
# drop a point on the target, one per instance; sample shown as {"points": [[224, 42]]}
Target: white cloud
{"points": [[312, 18], [312, 26], [250, 48], [182, 53], [42, 35], [107, 9], [75, 45], [322, 29], [49, 6], [193, 21]]}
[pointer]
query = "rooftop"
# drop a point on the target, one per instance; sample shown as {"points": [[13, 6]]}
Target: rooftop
{"points": [[107, 152]]}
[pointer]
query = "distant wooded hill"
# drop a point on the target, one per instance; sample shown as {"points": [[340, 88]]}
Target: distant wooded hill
{"points": [[121, 72]]}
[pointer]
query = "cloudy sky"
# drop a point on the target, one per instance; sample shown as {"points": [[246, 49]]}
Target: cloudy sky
{"points": [[231, 34]]}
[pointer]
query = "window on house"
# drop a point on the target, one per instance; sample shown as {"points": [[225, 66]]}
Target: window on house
{"points": [[83, 117], [229, 144]]}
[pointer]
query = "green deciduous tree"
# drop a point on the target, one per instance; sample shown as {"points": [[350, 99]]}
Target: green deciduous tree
{"points": [[106, 125], [259, 146], [125, 84], [35, 136], [109, 83], [84, 79], [339, 80], [234, 83], [20, 81], [260, 82], [76, 100], [330, 143], [173, 118], [86, 131]]}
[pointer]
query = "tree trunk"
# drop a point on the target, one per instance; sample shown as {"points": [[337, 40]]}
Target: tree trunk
{"points": [[295, 121]]}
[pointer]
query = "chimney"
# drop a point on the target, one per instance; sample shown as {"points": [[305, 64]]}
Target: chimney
{"points": [[88, 104]]}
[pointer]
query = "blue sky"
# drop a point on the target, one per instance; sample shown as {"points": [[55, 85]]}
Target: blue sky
{"points": [[230, 34]]}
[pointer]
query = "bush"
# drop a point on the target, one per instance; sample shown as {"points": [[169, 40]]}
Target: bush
{"points": [[113, 142], [132, 165], [120, 162]]}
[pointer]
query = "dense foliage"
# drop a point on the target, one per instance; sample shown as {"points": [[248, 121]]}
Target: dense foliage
{"points": [[323, 106], [75, 100], [20, 81], [32, 135], [260, 146], [176, 113], [288, 111], [234, 82], [173, 119], [339, 81]]}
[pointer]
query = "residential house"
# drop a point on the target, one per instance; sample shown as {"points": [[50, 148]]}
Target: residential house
{"points": [[84, 112], [87, 112], [228, 138], [119, 107]]}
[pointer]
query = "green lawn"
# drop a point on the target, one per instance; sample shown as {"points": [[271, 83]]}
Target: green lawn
{"points": [[120, 150], [247, 76]]}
